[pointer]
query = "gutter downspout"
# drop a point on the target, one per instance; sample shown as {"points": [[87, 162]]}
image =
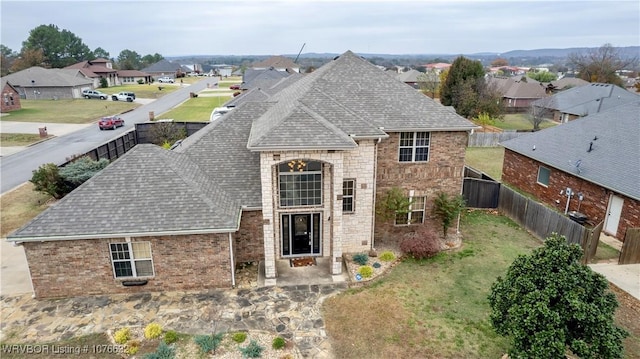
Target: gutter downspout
{"points": [[233, 265], [375, 180]]}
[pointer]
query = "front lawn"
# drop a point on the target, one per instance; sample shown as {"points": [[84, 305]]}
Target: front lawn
{"points": [[486, 159], [19, 139], [76, 111], [195, 109], [520, 122]]}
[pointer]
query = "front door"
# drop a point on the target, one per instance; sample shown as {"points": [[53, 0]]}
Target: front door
{"points": [[300, 234], [613, 215]]}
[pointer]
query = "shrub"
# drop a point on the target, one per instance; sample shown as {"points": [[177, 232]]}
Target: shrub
{"points": [[152, 331], [447, 209], [361, 258], [278, 343], [387, 256], [47, 179], [208, 343], [132, 347], [140, 81], [239, 337], [423, 243], [79, 171], [365, 271], [377, 265], [121, 336], [253, 350], [170, 337], [164, 351]]}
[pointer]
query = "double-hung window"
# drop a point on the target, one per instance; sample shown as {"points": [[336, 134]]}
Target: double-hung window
{"points": [[348, 195], [543, 176], [414, 146], [131, 259], [415, 212], [300, 183]]}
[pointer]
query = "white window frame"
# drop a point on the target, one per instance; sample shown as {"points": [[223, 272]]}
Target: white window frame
{"points": [[548, 176], [293, 173], [414, 147], [132, 260], [412, 209], [352, 195]]}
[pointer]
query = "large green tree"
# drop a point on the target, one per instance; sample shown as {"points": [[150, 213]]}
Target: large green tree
{"points": [[60, 48], [148, 60], [549, 303], [129, 60], [100, 53], [7, 56], [601, 64], [467, 91]]}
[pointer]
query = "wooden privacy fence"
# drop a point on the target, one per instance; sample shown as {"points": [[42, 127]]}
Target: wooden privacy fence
{"points": [[481, 193], [491, 139], [144, 134], [110, 150], [630, 252], [543, 221]]}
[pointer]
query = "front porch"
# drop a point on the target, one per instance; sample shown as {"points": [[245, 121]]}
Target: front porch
{"points": [[320, 273]]}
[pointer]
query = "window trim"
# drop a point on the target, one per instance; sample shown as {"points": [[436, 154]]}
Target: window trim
{"points": [[414, 147], [352, 195], [412, 196], [548, 176], [132, 261]]}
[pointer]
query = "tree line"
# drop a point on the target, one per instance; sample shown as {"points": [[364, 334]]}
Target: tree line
{"points": [[49, 47]]}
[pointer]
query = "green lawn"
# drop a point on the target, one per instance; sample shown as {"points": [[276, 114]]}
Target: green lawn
{"points": [[195, 109], [76, 111], [519, 122], [486, 159], [18, 139]]}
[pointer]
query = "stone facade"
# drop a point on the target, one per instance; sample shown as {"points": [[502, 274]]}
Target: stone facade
{"points": [[10, 100], [442, 173], [84, 267], [522, 172]]}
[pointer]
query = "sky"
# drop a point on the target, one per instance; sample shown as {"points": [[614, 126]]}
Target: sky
{"points": [[262, 27]]}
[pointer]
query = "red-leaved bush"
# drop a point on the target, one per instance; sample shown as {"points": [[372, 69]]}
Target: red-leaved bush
{"points": [[422, 243]]}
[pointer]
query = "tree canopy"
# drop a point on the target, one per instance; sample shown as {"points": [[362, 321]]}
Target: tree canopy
{"points": [[549, 303], [60, 48], [601, 64]]}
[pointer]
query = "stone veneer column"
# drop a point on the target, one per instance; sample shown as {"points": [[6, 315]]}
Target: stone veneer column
{"points": [[266, 159], [336, 216]]}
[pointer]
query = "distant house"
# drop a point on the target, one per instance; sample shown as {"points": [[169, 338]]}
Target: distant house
{"points": [[36, 83], [594, 159], [566, 83], [166, 68], [585, 100], [219, 70], [287, 174], [96, 70], [263, 78], [133, 76], [438, 66], [10, 97], [518, 94], [279, 63], [411, 78]]}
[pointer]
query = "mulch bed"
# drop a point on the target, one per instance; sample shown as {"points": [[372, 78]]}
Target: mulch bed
{"points": [[302, 262]]}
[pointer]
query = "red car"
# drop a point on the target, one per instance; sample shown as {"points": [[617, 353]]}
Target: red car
{"points": [[111, 122], [234, 87]]}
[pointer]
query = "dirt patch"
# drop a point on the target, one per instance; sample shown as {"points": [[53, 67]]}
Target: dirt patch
{"points": [[627, 316]]}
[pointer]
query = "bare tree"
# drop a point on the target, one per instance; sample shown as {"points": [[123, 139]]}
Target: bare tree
{"points": [[429, 82], [539, 111], [601, 64]]}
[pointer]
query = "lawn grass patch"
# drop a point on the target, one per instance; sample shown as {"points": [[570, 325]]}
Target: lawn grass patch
{"points": [[434, 308], [195, 109], [19, 139], [20, 206], [486, 159], [142, 91], [520, 122], [605, 253], [76, 111]]}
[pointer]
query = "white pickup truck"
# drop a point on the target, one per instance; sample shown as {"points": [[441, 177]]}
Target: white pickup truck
{"points": [[123, 96]]}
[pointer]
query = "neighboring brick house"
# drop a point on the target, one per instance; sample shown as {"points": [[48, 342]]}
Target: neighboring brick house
{"points": [[519, 92], [597, 157], [293, 174], [37, 83], [10, 97], [584, 100], [166, 68], [96, 70], [279, 63]]}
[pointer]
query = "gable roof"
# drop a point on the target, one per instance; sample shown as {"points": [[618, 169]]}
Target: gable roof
{"points": [[148, 191], [347, 98], [514, 87], [279, 62], [45, 78], [613, 161], [409, 76], [588, 99], [165, 66]]}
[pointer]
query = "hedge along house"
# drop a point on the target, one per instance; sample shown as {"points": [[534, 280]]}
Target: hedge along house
{"points": [[295, 175]]}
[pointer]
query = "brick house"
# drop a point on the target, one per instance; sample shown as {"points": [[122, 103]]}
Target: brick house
{"points": [[595, 156], [10, 97], [293, 175]]}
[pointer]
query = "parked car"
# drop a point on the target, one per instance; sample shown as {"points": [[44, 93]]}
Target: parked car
{"points": [[110, 122], [123, 96], [235, 87], [166, 79], [94, 94]]}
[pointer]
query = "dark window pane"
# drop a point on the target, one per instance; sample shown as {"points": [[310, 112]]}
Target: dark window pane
{"points": [[422, 154], [406, 154], [123, 269], [347, 204]]}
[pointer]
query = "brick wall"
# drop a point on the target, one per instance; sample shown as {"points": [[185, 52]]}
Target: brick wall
{"points": [[9, 99], [522, 172], [83, 267], [442, 173], [249, 240]]}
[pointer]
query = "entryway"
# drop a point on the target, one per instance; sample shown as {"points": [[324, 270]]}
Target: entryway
{"points": [[301, 234]]}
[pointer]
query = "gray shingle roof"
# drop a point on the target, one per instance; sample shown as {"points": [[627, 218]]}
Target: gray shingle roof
{"points": [[355, 97], [147, 191], [614, 161], [45, 78], [588, 99]]}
